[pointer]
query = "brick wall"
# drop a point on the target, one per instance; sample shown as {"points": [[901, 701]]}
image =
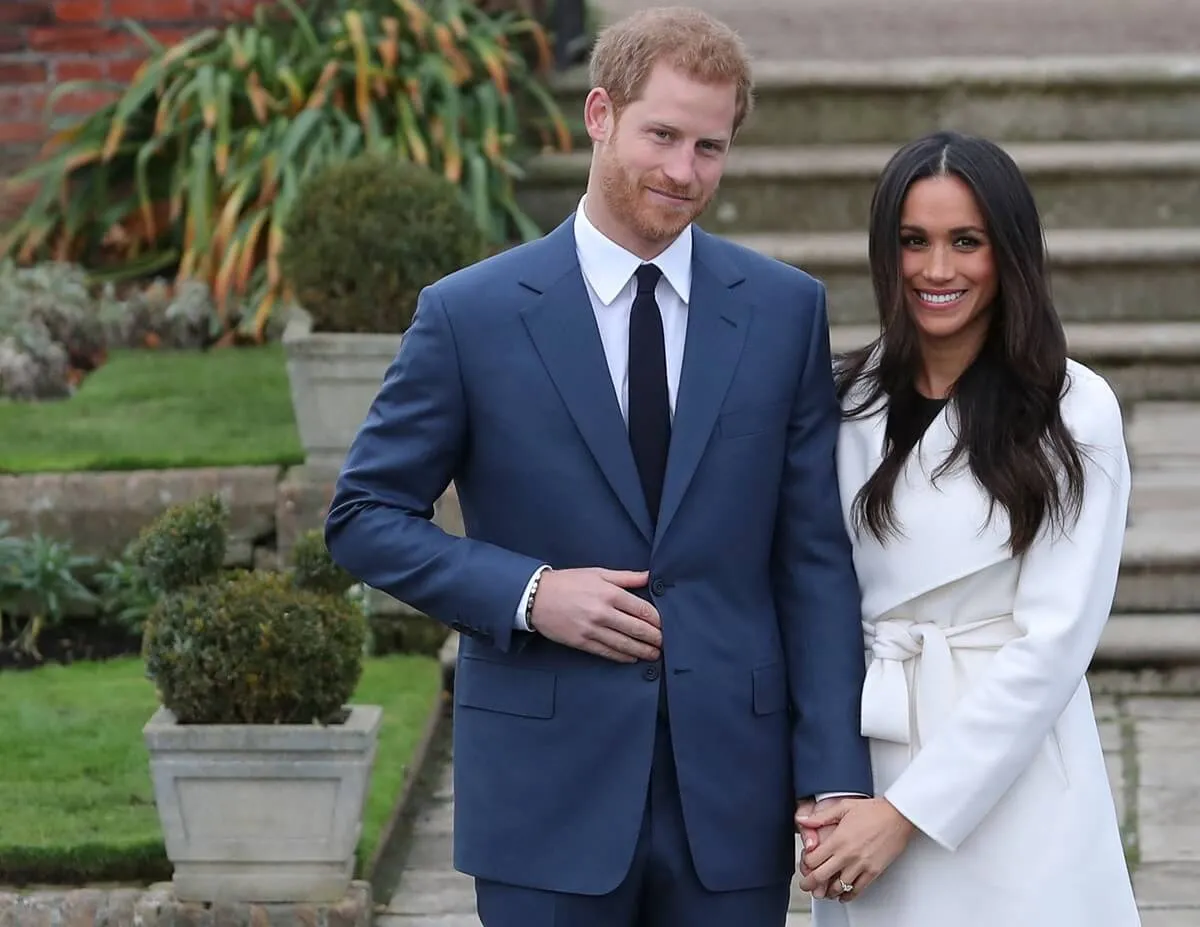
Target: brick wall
{"points": [[47, 42]]}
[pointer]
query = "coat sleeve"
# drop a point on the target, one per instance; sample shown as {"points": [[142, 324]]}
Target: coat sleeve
{"points": [[379, 527], [1064, 593], [816, 589]]}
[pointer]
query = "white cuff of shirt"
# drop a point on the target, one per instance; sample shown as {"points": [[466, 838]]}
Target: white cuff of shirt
{"points": [[519, 621], [821, 796]]}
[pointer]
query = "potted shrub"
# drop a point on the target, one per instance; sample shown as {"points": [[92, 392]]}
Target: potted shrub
{"points": [[362, 239], [260, 765]]}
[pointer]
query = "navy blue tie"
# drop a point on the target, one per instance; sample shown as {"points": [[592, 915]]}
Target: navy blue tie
{"points": [[649, 403]]}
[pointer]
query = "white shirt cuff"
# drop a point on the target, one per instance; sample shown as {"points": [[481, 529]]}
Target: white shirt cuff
{"points": [[519, 621]]}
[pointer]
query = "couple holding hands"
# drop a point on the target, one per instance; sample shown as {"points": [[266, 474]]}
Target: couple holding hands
{"points": [[734, 613]]}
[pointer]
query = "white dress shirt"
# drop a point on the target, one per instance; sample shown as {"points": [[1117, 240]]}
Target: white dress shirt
{"points": [[608, 270]]}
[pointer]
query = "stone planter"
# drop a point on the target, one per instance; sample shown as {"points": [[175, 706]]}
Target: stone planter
{"points": [[262, 813], [333, 378]]}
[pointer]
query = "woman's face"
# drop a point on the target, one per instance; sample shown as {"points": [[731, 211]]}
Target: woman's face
{"points": [[947, 264]]}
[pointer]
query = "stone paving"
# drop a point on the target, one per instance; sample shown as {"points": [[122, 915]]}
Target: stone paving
{"points": [[1152, 745]]}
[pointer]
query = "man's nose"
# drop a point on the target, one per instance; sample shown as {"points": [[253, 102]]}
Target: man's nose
{"points": [[680, 167]]}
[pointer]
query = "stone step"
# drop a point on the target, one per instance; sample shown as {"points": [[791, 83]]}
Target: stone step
{"points": [[827, 188], [1160, 565], [1141, 639], [1163, 495], [1099, 275], [1103, 342], [1143, 361], [1164, 439], [806, 101]]}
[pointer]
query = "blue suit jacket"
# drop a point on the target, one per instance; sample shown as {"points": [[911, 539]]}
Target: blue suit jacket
{"points": [[501, 385]]}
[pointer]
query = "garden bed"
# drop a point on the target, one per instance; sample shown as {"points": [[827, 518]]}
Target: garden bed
{"points": [[73, 640], [160, 409], [76, 781]]}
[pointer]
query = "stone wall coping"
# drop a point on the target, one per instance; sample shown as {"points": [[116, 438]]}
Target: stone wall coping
{"points": [[157, 906]]}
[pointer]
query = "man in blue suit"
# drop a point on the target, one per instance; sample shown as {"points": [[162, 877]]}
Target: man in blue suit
{"points": [[661, 652]]}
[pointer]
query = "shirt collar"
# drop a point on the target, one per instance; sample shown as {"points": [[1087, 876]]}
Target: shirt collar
{"points": [[608, 267]]}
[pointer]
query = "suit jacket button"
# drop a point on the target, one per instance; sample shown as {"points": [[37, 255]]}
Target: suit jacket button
{"points": [[651, 672], [658, 587]]}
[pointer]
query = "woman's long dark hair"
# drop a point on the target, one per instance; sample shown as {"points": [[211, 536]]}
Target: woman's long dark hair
{"points": [[1011, 431]]}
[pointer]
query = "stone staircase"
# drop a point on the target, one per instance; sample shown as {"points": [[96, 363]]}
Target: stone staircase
{"points": [[1111, 146]]}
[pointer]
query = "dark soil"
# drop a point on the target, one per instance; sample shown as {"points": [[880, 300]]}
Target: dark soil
{"points": [[72, 640]]}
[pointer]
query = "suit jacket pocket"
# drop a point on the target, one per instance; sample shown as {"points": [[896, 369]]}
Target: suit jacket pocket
{"points": [[510, 690], [752, 420], [770, 689]]}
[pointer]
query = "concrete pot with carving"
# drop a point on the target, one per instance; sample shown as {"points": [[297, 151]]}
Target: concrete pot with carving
{"points": [[262, 813]]}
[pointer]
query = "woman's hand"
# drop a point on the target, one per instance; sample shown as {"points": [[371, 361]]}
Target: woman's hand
{"points": [[811, 837], [869, 835]]}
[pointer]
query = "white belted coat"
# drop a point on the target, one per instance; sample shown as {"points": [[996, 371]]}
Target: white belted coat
{"points": [[976, 704]]}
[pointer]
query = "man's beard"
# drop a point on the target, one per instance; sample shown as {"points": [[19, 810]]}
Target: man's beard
{"points": [[624, 194]]}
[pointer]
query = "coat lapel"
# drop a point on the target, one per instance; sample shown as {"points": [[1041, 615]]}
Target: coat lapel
{"points": [[716, 332], [945, 531], [562, 325]]}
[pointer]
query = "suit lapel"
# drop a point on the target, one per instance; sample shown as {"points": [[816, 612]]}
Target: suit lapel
{"points": [[562, 325], [716, 333]]}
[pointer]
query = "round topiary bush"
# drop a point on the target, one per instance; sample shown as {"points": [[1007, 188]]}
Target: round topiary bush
{"points": [[254, 648], [364, 236], [183, 546], [313, 567]]}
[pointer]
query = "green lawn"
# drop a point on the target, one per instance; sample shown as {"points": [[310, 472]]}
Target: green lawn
{"points": [[78, 802], [160, 409]]}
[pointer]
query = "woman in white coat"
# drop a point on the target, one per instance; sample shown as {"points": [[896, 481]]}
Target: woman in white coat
{"points": [[985, 482]]}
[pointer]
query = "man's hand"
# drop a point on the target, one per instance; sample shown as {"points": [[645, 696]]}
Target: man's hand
{"points": [[592, 610], [813, 837], [869, 834], [809, 837]]}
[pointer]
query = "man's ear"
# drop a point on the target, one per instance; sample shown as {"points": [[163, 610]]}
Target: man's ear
{"points": [[599, 115]]}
